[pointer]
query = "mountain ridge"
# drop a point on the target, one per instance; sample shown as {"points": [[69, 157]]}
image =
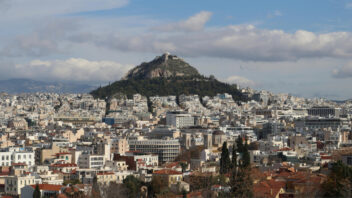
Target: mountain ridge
{"points": [[24, 85]]}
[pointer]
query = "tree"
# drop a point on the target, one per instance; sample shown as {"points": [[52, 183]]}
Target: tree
{"points": [[114, 190], [241, 183], [239, 144], [183, 166], [225, 159], [133, 185], [234, 157], [96, 188], [240, 178], [36, 193], [156, 185], [339, 181], [246, 159]]}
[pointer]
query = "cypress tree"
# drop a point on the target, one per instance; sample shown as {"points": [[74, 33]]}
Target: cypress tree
{"points": [[239, 144], [246, 160], [36, 193], [225, 162], [234, 157], [240, 179]]}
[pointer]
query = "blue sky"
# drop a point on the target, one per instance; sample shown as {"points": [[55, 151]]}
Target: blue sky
{"points": [[298, 47]]}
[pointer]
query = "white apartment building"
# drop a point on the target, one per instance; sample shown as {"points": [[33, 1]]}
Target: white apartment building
{"points": [[16, 155], [148, 159], [179, 119], [166, 149], [13, 184], [91, 161]]}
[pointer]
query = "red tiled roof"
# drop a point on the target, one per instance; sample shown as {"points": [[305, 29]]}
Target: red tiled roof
{"points": [[268, 188], [105, 173], [62, 196], [171, 164], [63, 153], [64, 165], [326, 157], [48, 187], [167, 172], [18, 164]]}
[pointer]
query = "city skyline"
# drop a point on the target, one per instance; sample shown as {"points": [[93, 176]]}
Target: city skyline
{"points": [[296, 47]]}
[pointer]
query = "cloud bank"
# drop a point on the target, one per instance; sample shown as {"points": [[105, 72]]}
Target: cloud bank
{"points": [[240, 42], [240, 80], [73, 69], [344, 72]]}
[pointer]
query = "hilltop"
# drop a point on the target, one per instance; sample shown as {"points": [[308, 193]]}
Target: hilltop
{"points": [[167, 75], [164, 66]]}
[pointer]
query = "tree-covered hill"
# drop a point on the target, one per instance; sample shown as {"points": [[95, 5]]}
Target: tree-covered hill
{"points": [[200, 85]]}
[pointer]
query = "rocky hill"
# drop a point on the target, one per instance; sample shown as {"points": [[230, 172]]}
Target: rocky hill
{"points": [[164, 66], [166, 75]]}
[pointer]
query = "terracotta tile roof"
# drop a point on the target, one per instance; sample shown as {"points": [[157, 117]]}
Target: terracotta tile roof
{"points": [[63, 153], [62, 196], [63, 165], [326, 157], [171, 164], [105, 173], [268, 188], [48, 187], [18, 164], [167, 172]]}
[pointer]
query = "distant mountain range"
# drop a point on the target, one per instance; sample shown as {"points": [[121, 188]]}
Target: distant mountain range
{"points": [[166, 75], [14, 86]]}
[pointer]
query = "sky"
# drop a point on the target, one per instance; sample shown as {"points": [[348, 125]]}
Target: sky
{"points": [[299, 47]]}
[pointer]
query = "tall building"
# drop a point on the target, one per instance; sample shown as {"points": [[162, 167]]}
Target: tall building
{"points": [[166, 149], [119, 146], [324, 111], [179, 119], [318, 123]]}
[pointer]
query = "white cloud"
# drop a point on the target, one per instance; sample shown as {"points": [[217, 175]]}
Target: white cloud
{"points": [[344, 72], [348, 5], [73, 69], [44, 40], [240, 80], [193, 23], [241, 42], [32, 8]]}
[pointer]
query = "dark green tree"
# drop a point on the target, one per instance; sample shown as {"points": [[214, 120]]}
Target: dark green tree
{"points": [[239, 144], [241, 183], [36, 193], [339, 182], [246, 159], [240, 178], [133, 185], [183, 166], [225, 162], [234, 157]]}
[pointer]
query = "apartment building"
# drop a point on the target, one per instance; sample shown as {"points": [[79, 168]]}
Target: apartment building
{"points": [[166, 149]]}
